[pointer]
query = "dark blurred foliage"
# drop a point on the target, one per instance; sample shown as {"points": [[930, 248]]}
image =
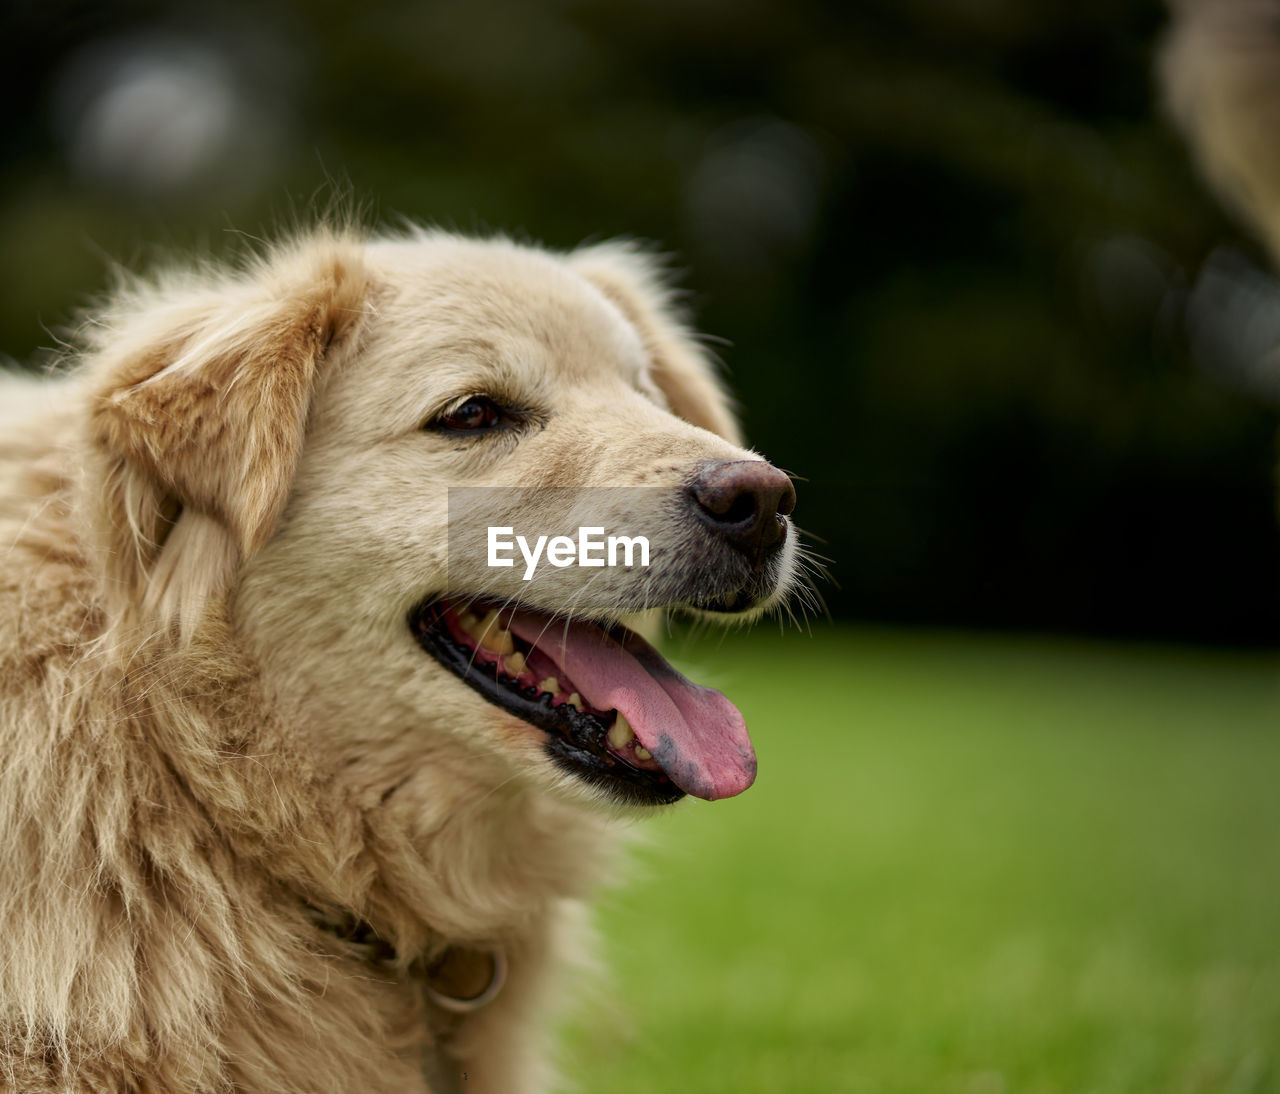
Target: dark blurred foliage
{"points": [[950, 245]]}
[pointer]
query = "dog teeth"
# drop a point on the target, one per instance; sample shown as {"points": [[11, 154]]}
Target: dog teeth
{"points": [[620, 733], [643, 753], [490, 635], [514, 663], [550, 684], [575, 701]]}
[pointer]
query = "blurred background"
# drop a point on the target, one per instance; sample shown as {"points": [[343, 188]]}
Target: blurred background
{"points": [[949, 249]]}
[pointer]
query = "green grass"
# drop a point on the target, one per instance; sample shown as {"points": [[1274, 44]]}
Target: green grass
{"points": [[969, 864]]}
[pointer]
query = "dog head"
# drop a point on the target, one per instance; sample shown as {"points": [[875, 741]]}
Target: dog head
{"points": [[324, 441]]}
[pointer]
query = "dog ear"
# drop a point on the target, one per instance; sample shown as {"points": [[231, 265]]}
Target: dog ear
{"points": [[198, 413], [683, 371]]}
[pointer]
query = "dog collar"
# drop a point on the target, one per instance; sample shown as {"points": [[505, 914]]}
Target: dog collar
{"points": [[461, 980]]}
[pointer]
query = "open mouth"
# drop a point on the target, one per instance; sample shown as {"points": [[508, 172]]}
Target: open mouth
{"points": [[613, 711]]}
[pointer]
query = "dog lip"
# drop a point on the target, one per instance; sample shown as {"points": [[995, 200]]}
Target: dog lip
{"points": [[576, 740], [734, 604]]}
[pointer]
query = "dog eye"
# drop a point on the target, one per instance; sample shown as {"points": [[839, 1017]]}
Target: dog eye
{"points": [[476, 415]]}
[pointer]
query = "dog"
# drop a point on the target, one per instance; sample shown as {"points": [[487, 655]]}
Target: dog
{"points": [[297, 795], [1219, 73]]}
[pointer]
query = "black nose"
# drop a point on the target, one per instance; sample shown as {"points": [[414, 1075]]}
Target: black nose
{"points": [[745, 501]]}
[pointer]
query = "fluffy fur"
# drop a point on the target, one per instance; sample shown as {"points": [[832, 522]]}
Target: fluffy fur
{"points": [[216, 730], [1220, 74]]}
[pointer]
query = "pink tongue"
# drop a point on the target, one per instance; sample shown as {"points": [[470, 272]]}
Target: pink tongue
{"points": [[695, 734]]}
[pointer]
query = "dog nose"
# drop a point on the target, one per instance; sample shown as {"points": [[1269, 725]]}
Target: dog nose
{"points": [[745, 501]]}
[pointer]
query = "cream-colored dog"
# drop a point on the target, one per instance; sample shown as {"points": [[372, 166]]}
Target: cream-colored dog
{"points": [[298, 792]]}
